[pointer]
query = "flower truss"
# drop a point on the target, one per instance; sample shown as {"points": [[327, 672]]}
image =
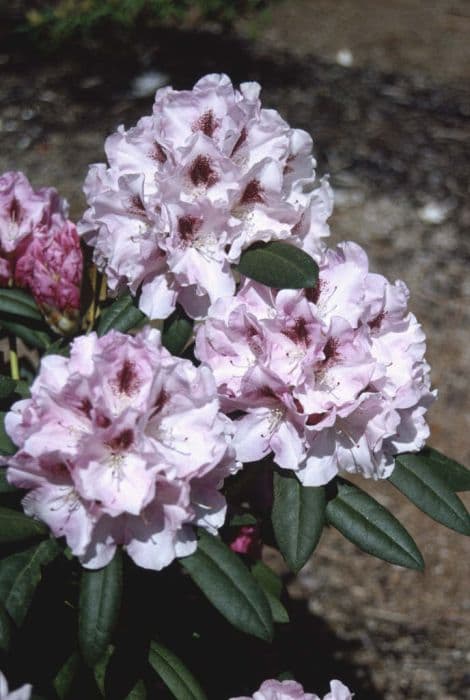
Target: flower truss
{"points": [[122, 444], [290, 690], [330, 378], [39, 247], [190, 187]]}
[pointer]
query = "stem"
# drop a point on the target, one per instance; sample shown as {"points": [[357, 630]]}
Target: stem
{"points": [[14, 365]]}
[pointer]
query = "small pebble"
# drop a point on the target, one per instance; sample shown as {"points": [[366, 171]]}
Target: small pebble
{"points": [[145, 84], [345, 58]]}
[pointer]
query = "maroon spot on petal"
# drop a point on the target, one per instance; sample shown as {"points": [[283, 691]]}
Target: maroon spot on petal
{"points": [[127, 380], [85, 407], [377, 322], [207, 123], [288, 168], [202, 173], [160, 402], [188, 226], [313, 293], [122, 441], [158, 153], [268, 393], [102, 421], [240, 141], [254, 340], [315, 418], [298, 332], [331, 349], [252, 193], [136, 206], [298, 405], [15, 211]]}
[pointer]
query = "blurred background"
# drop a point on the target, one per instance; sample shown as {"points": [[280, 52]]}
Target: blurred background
{"points": [[383, 87]]}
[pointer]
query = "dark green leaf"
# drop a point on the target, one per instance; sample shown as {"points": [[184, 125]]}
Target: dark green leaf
{"points": [[5, 486], [370, 526], [23, 389], [7, 447], [65, 677], [100, 668], [178, 679], [5, 629], [138, 692], [7, 386], [242, 519], [17, 527], [230, 587], [34, 338], [177, 330], [100, 602], [18, 303], [20, 575], [272, 586], [298, 517], [122, 316], [424, 486], [456, 476], [280, 265]]}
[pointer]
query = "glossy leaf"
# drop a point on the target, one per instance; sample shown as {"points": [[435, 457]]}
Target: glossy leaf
{"points": [[20, 575], [7, 447], [5, 486], [65, 677], [138, 692], [272, 586], [298, 517], [242, 519], [425, 487], [456, 476], [370, 526], [177, 678], [280, 265], [34, 338], [100, 602], [5, 630], [122, 316], [177, 331], [18, 303], [230, 587], [18, 527]]}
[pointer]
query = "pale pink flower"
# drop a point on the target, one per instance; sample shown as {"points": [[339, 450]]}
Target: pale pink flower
{"points": [[187, 189], [39, 247], [23, 693], [291, 690], [331, 378], [122, 444]]}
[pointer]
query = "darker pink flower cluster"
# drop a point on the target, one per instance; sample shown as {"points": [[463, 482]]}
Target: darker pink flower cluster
{"points": [[332, 378], [290, 690], [39, 246], [191, 186], [122, 444]]}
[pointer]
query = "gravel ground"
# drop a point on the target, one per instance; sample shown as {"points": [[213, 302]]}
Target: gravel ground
{"points": [[392, 130]]}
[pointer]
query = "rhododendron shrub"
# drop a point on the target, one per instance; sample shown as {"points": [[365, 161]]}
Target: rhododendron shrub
{"points": [[205, 391]]}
